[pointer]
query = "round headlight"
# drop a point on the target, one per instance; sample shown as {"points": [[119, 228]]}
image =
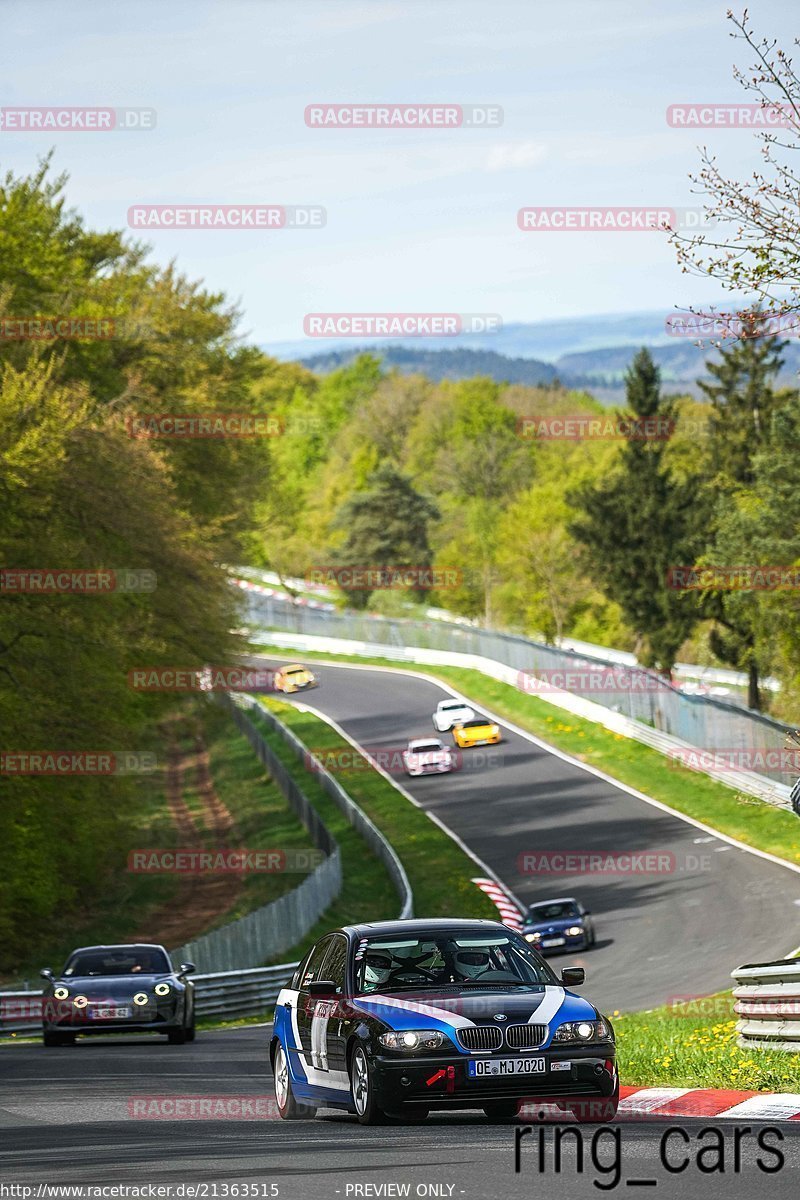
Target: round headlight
{"points": [[140, 998], [410, 1039], [584, 1029], [80, 1002], [61, 993], [162, 989], [574, 930]]}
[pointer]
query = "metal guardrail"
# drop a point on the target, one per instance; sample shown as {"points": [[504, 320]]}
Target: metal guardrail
{"points": [[767, 1002], [234, 992], [223, 994], [747, 783], [380, 845], [274, 928], [702, 721]]}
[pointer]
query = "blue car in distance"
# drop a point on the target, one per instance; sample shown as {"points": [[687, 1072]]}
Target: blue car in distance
{"points": [[557, 926]]}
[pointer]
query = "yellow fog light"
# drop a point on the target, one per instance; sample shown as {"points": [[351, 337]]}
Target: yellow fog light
{"points": [[140, 998], [162, 989], [80, 1002], [61, 993]]}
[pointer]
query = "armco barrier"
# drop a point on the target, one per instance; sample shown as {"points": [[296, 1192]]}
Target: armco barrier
{"points": [[768, 1005], [704, 722], [274, 928], [379, 845], [225, 995], [745, 782]]}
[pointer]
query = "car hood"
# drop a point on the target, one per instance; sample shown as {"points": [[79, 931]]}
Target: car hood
{"points": [[105, 987], [451, 1009]]}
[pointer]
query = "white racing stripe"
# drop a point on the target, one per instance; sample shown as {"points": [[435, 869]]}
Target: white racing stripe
{"points": [[553, 999], [337, 1080]]}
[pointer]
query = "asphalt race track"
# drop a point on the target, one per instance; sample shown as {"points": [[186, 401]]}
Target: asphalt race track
{"points": [[65, 1118], [659, 936], [103, 1112]]}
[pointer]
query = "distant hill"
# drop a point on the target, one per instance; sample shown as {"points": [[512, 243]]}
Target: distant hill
{"points": [[444, 364], [590, 353]]}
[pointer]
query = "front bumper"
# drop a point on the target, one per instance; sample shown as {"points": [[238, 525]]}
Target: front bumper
{"points": [[579, 942], [429, 1081], [57, 1018]]}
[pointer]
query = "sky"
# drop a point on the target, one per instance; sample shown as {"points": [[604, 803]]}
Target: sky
{"points": [[416, 220]]}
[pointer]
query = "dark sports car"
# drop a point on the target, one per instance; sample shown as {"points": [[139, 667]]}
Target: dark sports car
{"points": [[554, 926], [400, 1017], [118, 989]]}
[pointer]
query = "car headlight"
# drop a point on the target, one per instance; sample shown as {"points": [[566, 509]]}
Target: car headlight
{"points": [[412, 1039], [162, 989], [140, 998], [574, 931], [80, 1002], [533, 937], [61, 993], [582, 1031]]}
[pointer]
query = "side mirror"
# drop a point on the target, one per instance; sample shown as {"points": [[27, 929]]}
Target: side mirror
{"points": [[322, 987], [572, 976], [187, 969], [46, 973]]}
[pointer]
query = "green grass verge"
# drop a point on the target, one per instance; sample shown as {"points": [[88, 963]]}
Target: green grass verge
{"points": [[439, 872], [694, 1045], [742, 817]]}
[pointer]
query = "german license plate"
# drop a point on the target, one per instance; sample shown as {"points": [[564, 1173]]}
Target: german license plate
{"points": [[553, 941], [110, 1012], [480, 1068]]}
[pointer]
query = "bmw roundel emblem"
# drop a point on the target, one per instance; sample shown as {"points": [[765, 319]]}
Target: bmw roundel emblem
{"points": [[500, 1017]]}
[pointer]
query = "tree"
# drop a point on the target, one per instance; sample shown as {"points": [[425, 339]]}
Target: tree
{"points": [[743, 404], [756, 248], [386, 526], [639, 521]]}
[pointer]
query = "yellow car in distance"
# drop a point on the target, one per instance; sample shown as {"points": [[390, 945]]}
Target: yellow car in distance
{"points": [[479, 732], [294, 678]]}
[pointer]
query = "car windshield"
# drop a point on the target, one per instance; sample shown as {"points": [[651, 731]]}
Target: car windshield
{"points": [[557, 911], [446, 705], [295, 671], [425, 747], [441, 961], [123, 961], [480, 721]]}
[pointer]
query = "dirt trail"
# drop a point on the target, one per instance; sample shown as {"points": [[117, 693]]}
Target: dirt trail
{"points": [[200, 899]]}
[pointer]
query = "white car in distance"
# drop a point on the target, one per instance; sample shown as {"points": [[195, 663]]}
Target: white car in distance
{"points": [[427, 756], [451, 712]]}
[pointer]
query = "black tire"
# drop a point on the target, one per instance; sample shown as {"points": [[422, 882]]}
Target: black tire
{"points": [[191, 1032], [500, 1112], [177, 1037], [286, 1103], [362, 1090]]}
